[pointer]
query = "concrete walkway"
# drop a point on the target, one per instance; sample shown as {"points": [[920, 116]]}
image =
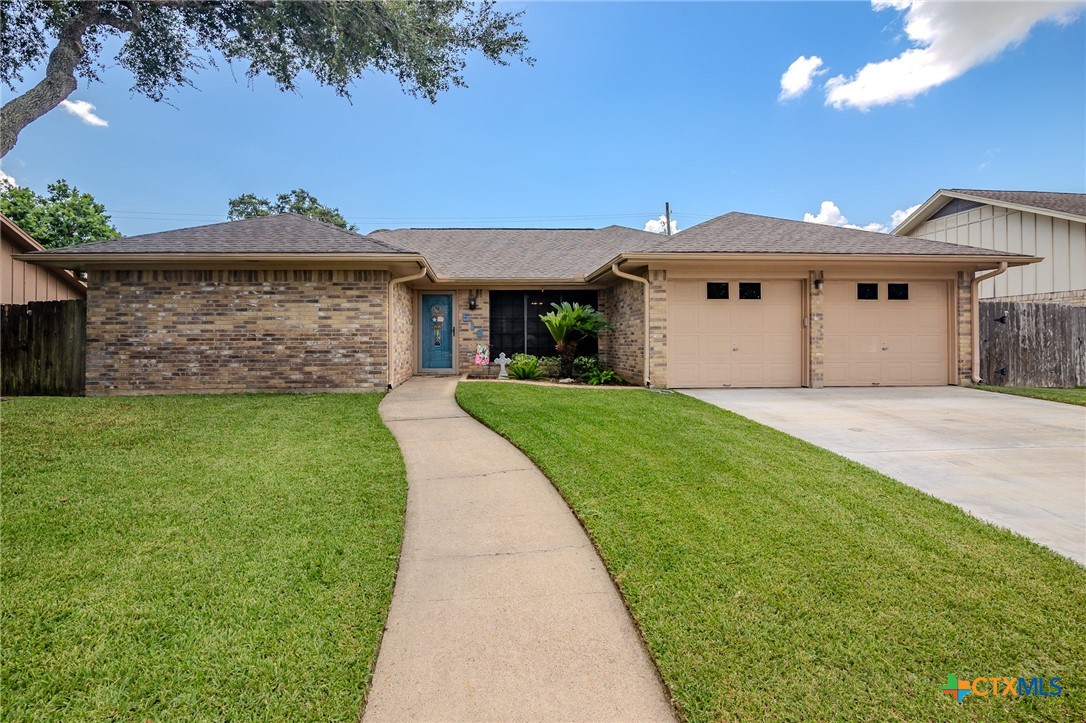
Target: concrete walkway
{"points": [[502, 609], [1019, 463]]}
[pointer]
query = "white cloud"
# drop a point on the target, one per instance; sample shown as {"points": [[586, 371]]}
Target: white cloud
{"points": [[6, 180], [657, 225], [898, 217], [949, 39], [798, 78], [830, 215], [84, 111]]}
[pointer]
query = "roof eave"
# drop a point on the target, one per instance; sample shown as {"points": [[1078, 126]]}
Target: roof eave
{"points": [[949, 259], [937, 201], [217, 260]]}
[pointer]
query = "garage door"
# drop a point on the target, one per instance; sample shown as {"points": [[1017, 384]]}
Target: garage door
{"points": [[734, 334], [885, 333]]}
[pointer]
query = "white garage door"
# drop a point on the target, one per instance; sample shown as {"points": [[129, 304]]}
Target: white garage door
{"points": [[885, 333], [734, 334]]}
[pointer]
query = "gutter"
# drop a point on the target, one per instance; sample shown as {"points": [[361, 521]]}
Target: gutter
{"points": [[391, 316], [645, 282], [974, 312]]}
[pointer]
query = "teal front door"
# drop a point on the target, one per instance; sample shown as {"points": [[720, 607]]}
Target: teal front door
{"points": [[437, 324]]}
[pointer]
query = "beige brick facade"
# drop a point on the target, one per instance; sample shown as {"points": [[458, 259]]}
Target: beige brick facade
{"points": [[963, 297], [160, 332], [816, 331], [467, 329], [622, 347], [404, 349], [658, 327]]}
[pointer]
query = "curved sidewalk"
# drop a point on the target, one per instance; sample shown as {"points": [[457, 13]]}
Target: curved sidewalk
{"points": [[502, 609]]}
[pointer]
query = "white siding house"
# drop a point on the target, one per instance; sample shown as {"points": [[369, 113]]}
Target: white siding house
{"points": [[1050, 225]]}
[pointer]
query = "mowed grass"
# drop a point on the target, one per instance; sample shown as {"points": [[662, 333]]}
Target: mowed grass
{"points": [[196, 558], [1074, 395], [775, 581]]}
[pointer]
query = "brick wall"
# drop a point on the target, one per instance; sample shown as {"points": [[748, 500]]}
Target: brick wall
{"points": [[160, 332], [622, 347], [404, 316], [467, 330], [658, 327], [816, 332], [963, 297]]}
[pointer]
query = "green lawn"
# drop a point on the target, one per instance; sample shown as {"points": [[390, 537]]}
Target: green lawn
{"points": [[196, 558], [1076, 395], [774, 580]]}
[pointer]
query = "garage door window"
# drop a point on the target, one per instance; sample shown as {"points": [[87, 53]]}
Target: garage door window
{"points": [[750, 290], [716, 290], [867, 292], [897, 292]]}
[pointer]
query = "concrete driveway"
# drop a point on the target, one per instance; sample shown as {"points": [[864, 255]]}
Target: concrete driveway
{"points": [[1019, 463]]}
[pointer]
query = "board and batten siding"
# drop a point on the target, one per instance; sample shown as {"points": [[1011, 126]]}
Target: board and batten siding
{"points": [[21, 282], [1061, 242]]}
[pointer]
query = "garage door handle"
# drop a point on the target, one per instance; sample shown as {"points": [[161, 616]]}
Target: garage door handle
{"points": [[886, 348], [735, 348]]}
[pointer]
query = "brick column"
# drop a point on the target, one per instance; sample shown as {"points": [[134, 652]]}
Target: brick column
{"points": [[963, 297], [816, 330], [658, 327], [468, 331]]}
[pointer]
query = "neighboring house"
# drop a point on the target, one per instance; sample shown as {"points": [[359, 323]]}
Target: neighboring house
{"points": [[1049, 225], [21, 282], [289, 303]]}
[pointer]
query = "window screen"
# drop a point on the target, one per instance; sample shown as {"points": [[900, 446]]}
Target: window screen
{"points": [[515, 327], [750, 290], [867, 292], [897, 292], [716, 290]]}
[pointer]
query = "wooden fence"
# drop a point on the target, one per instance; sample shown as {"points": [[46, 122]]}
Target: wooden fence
{"points": [[1032, 344], [43, 348]]}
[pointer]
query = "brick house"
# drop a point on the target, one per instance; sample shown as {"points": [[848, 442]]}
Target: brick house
{"points": [[287, 303]]}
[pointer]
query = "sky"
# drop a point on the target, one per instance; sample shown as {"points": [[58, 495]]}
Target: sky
{"points": [[843, 113]]}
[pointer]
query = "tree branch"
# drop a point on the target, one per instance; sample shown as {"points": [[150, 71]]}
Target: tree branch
{"points": [[59, 81]]}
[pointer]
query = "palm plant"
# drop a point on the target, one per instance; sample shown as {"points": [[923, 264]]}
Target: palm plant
{"points": [[568, 324]]}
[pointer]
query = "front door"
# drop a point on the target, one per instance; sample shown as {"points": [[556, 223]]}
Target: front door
{"points": [[436, 325]]}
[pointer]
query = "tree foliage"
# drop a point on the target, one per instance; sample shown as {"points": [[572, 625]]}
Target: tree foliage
{"points": [[62, 217], [568, 324], [424, 45], [298, 201]]}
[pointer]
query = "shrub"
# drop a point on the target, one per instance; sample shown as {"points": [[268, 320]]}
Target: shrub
{"points": [[597, 377], [525, 366], [585, 365], [568, 324], [550, 365]]}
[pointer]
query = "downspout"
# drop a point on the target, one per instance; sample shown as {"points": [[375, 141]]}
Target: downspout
{"points": [[974, 311], [391, 317], [623, 275]]}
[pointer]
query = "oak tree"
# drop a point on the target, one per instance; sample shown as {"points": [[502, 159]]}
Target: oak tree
{"points": [[298, 201], [424, 45]]}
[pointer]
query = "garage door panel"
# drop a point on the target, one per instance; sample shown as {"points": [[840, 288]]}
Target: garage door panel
{"points": [[684, 375], [715, 347], [886, 341], [683, 320], [715, 375], [748, 345], [688, 291], [734, 342], [717, 318], [684, 346]]}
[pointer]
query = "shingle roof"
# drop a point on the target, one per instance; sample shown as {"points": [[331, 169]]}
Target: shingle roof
{"points": [[287, 233], [517, 253], [746, 233], [1073, 203]]}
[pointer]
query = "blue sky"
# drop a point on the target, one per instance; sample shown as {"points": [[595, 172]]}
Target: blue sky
{"points": [[629, 105]]}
